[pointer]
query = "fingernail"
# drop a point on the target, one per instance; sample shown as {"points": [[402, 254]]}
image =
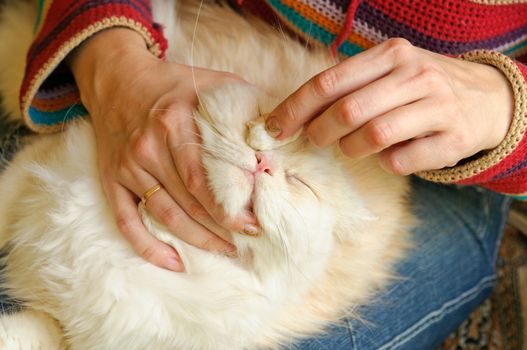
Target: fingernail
{"points": [[174, 264], [251, 230], [273, 127]]}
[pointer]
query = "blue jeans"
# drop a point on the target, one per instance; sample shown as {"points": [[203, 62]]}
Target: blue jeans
{"points": [[446, 275]]}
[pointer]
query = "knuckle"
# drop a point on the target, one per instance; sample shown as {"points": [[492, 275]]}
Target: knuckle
{"points": [[399, 49], [171, 217], [166, 119], [222, 218], [431, 74], [197, 211], [313, 137], [147, 253], [206, 244], [325, 83], [349, 112], [124, 224], [142, 147], [394, 164], [459, 144], [194, 182], [379, 134], [290, 108], [345, 149]]}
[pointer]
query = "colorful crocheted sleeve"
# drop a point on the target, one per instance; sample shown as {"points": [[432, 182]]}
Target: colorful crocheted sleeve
{"points": [[487, 31], [503, 169], [48, 95]]}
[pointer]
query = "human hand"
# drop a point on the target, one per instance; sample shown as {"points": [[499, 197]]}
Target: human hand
{"points": [[141, 110], [419, 110]]}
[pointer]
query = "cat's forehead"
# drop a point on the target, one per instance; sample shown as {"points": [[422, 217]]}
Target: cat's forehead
{"points": [[238, 113]]}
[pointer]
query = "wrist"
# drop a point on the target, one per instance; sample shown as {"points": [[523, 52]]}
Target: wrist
{"points": [[492, 86], [96, 61], [501, 108]]}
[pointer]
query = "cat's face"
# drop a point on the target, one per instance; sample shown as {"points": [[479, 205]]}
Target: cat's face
{"points": [[301, 195]]}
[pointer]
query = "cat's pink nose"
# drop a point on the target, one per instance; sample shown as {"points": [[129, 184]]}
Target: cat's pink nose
{"points": [[264, 165]]}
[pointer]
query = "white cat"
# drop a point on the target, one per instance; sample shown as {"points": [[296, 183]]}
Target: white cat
{"points": [[332, 227]]}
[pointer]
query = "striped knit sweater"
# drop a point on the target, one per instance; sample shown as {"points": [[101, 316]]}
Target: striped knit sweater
{"points": [[493, 32]]}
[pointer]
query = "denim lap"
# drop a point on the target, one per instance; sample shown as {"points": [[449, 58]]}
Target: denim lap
{"points": [[447, 273]]}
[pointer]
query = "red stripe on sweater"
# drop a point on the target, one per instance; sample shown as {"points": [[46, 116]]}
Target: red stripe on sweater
{"points": [[455, 20]]}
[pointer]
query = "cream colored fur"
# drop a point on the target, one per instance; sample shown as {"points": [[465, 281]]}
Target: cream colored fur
{"points": [[332, 227], [30, 330]]}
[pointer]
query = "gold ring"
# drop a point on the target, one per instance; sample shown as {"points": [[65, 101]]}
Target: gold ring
{"points": [[150, 192]]}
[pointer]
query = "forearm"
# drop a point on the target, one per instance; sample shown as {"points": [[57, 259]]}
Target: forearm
{"points": [[49, 94]]}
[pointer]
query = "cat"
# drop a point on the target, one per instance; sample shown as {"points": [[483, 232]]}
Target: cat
{"points": [[333, 227]]}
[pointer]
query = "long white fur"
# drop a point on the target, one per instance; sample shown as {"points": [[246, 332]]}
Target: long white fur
{"points": [[30, 330], [325, 249]]}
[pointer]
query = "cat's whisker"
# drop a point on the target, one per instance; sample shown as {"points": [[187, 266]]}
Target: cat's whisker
{"points": [[281, 30], [190, 144], [160, 109], [181, 146], [197, 134], [64, 122], [306, 45], [194, 31], [281, 231], [290, 261], [216, 153], [286, 249], [212, 149]]}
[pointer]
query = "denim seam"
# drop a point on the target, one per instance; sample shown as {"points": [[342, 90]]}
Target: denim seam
{"points": [[505, 204], [351, 335], [483, 230], [438, 314]]}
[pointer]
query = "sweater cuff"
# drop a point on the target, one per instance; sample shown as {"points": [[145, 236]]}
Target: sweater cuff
{"points": [[491, 166], [49, 95]]}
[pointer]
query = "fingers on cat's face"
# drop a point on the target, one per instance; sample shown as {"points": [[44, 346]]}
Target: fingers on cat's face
{"points": [[285, 183]]}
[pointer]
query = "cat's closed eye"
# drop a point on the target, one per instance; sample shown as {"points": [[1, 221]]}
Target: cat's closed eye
{"points": [[297, 180]]}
